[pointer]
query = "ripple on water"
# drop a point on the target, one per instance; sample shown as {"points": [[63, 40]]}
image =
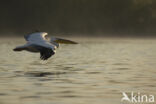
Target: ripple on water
{"points": [[123, 68], [30, 97], [42, 74], [90, 73]]}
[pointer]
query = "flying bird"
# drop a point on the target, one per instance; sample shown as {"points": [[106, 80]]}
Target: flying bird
{"points": [[38, 42]]}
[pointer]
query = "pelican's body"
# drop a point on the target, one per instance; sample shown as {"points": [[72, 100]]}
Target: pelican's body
{"points": [[37, 42]]}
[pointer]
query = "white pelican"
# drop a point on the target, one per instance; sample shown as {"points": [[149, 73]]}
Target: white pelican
{"points": [[37, 42]]}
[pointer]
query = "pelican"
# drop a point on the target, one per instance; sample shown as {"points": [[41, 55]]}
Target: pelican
{"points": [[38, 42]]}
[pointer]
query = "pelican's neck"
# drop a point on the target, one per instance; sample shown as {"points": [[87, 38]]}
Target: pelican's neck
{"points": [[56, 44]]}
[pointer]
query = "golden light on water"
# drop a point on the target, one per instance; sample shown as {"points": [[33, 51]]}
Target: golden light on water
{"points": [[94, 71]]}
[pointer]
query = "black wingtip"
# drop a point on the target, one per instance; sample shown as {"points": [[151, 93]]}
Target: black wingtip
{"points": [[46, 53]]}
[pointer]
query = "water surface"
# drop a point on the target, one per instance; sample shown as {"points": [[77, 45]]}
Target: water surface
{"points": [[95, 71]]}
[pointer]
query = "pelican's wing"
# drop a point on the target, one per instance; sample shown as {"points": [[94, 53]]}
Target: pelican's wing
{"points": [[38, 36], [45, 52], [62, 41]]}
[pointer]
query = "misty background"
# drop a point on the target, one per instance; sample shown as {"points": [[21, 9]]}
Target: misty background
{"points": [[79, 17]]}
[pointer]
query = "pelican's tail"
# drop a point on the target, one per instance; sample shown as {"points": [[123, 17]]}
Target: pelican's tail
{"points": [[20, 48]]}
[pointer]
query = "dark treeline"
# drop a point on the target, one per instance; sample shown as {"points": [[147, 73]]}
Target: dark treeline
{"points": [[79, 16]]}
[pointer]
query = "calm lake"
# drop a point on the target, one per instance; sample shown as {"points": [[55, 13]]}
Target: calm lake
{"points": [[95, 71]]}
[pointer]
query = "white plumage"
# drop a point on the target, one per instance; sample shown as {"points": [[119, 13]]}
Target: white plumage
{"points": [[37, 42]]}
